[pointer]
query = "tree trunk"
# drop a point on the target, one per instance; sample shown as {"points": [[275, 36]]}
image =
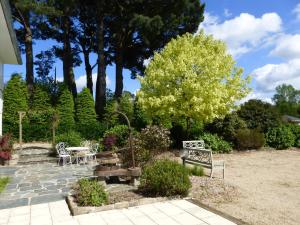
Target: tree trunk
{"points": [[29, 55], [119, 70], [67, 54], [101, 81], [88, 70]]}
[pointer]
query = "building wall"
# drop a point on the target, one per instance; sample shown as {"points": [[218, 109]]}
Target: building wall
{"points": [[1, 96]]}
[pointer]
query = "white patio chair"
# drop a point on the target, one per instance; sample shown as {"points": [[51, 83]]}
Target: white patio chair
{"points": [[93, 151], [63, 155]]}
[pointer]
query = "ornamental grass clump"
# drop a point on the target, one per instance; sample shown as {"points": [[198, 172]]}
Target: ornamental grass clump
{"points": [[91, 193], [165, 178]]}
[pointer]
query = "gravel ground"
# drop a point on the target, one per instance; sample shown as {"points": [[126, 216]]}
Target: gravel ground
{"points": [[260, 187]]}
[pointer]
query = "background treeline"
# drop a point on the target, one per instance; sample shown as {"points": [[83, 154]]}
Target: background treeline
{"points": [[123, 33], [253, 125]]}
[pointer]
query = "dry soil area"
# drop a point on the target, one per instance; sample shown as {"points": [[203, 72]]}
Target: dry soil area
{"points": [[266, 184]]}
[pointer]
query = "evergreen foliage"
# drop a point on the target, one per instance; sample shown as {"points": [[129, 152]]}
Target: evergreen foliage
{"points": [[15, 99], [86, 120], [65, 110], [259, 114]]}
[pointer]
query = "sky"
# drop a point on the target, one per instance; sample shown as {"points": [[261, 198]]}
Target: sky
{"points": [[262, 35]]}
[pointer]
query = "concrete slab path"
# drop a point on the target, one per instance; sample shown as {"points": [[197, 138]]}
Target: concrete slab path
{"points": [[164, 213]]}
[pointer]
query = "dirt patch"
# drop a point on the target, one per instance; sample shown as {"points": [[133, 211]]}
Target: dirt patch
{"points": [[261, 187], [122, 196]]}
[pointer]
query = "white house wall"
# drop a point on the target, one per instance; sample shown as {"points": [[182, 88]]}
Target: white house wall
{"points": [[1, 96]]}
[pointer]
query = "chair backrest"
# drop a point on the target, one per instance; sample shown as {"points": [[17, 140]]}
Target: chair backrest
{"points": [[197, 144], [61, 148], [95, 148], [85, 143]]}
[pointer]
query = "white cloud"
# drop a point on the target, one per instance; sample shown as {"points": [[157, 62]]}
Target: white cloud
{"points": [[287, 46], [243, 33], [296, 11], [268, 77], [227, 13], [266, 97], [81, 82]]}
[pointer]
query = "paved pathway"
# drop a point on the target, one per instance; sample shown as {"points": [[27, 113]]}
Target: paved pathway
{"points": [[167, 213], [40, 183]]}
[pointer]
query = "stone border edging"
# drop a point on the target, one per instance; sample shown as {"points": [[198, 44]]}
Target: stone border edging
{"points": [[222, 214], [78, 210]]}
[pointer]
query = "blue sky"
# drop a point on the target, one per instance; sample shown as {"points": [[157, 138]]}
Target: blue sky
{"points": [[262, 35]]}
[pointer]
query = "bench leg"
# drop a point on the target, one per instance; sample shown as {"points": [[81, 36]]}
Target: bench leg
{"points": [[211, 173]]}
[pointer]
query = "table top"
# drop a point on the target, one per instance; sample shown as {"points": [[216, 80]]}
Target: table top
{"points": [[77, 148]]}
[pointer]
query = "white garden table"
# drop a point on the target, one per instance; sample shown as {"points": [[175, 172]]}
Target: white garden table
{"points": [[79, 152]]}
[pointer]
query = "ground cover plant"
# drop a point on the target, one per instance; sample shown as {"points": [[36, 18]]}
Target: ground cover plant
{"points": [[90, 193], [165, 178], [3, 182]]}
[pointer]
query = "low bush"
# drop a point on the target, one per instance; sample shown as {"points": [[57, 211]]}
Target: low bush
{"points": [[120, 132], [90, 193], [216, 143], [249, 139], [165, 178], [155, 138], [3, 182], [196, 171], [296, 131], [151, 141], [280, 137], [72, 138]]}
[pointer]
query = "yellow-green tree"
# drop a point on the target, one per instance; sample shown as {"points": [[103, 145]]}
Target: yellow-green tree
{"points": [[192, 78]]}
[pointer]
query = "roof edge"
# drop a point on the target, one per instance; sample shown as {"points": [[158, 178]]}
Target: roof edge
{"points": [[7, 14]]}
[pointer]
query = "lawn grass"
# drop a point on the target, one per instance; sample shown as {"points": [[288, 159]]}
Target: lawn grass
{"points": [[3, 182]]}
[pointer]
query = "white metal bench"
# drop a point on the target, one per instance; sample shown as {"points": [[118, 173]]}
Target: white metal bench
{"points": [[195, 153]]}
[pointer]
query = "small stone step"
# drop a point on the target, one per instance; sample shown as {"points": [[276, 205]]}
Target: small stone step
{"points": [[31, 152], [36, 160]]}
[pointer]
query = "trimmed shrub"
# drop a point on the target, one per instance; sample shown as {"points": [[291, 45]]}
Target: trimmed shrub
{"points": [[249, 139], [165, 178], [65, 110], [91, 193], [86, 120], [196, 171], [216, 143], [121, 134], [15, 99], [280, 137], [72, 138]]}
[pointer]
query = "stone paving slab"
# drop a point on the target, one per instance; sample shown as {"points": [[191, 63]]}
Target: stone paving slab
{"points": [[39, 183], [163, 213]]}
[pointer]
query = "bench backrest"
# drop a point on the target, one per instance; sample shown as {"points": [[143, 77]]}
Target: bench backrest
{"points": [[197, 153], [199, 144]]}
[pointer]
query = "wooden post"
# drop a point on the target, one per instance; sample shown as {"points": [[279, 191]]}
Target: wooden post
{"points": [[54, 126], [21, 116]]}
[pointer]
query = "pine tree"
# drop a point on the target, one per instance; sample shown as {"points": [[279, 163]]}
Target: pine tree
{"points": [[15, 99], [65, 109], [85, 109]]}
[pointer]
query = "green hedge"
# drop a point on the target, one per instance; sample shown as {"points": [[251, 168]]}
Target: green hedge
{"points": [[215, 143]]}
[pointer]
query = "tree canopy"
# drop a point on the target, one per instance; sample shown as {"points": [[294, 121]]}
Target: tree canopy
{"points": [[193, 77]]}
